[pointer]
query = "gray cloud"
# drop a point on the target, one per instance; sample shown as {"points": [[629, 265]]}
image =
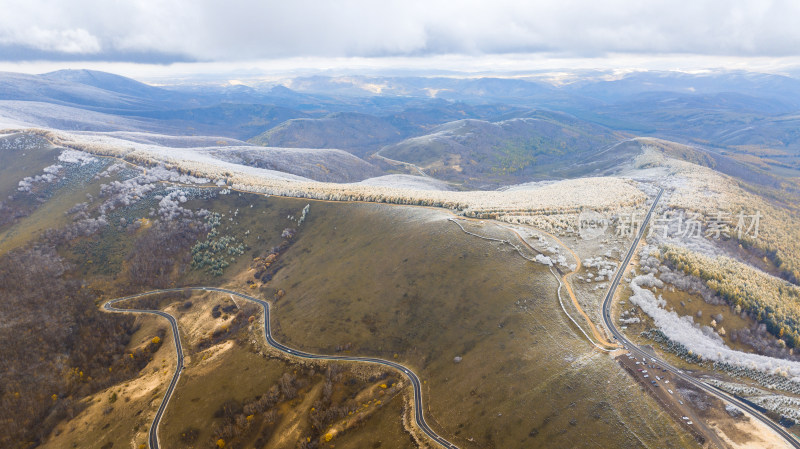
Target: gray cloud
{"points": [[19, 53], [213, 30]]}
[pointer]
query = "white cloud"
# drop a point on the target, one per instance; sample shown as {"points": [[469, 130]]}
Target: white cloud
{"points": [[71, 41], [212, 30]]}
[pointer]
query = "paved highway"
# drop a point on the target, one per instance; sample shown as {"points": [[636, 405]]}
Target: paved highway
{"points": [[153, 435], [418, 408], [635, 350]]}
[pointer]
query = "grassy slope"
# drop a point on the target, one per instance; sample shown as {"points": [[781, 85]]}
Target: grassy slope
{"points": [[508, 151], [50, 215], [404, 281], [398, 280], [122, 422], [360, 134], [778, 241], [235, 374], [17, 164], [96, 427]]}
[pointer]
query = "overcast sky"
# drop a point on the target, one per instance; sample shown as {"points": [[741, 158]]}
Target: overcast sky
{"points": [[233, 32]]}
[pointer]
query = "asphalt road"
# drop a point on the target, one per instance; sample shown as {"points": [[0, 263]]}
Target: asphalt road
{"points": [[725, 397], [413, 378], [153, 435]]}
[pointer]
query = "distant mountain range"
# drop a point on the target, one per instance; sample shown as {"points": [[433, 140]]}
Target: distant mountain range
{"points": [[478, 151], [469, 130]]}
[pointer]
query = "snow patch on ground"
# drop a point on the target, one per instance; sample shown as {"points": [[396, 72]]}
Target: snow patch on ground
{"points": [[406, 182], [12, 123], [76, 157], [527, 186], [53, 173], [701, 340], [784, 405], [172, 141], [176, 156], [33, 114]]}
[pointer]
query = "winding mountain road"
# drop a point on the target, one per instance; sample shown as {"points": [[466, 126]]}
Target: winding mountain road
{"points": [[152, 437], [414, 379], [629, 345], [153, 434]]}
